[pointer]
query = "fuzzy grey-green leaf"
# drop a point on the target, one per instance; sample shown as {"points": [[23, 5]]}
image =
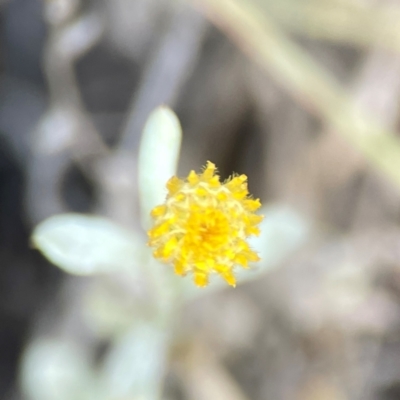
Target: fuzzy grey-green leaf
{"points": [[158, 158], [84, 245], [55, 369], [134, 367]]}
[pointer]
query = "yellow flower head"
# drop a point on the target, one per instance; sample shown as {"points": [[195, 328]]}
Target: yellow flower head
{"points": [[203, 225]]}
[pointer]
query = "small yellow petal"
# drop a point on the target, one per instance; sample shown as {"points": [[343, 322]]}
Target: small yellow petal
{"points": [[252, 205], [174, 184], [236, 182], [193, 178], [241, 194], [229, 278], [170, 246], [201, 191], [221, 268], [158, 253], [242, 260], [242, 245], [255, 219], [205, 265], [180, 268], [214, 182], [159, 230], [251, 255], [222, 196], [200, 278], [158, 211], [252, 230], [179, 197], [208, 173]]}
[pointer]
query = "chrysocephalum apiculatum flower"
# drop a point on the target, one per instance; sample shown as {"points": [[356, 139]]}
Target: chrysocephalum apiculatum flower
{"points": [[203, 225]]}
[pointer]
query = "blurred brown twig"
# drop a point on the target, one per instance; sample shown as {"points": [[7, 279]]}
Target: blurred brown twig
{"points": [[313, 87]]}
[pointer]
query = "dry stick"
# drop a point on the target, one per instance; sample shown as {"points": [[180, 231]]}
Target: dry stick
{"points": [[66, 43], [377, 91], [166, 73], [351, 23], [305, 80]]}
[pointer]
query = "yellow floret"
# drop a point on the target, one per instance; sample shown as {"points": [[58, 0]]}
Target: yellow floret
{"points": [[203, 225]]}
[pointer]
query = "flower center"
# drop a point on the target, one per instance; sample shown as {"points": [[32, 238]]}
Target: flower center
{"points": [[207, 230]]}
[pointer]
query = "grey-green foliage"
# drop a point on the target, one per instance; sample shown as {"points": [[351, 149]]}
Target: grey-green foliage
{"points": [[136, 363], [56, 369], [84, 244], [158, 158]]}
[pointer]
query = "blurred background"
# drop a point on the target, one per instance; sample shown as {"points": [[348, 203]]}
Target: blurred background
{"points": [[300, 95]]}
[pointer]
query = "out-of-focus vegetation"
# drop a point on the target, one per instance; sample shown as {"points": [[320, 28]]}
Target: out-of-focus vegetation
{"points": [[300, 95]]}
